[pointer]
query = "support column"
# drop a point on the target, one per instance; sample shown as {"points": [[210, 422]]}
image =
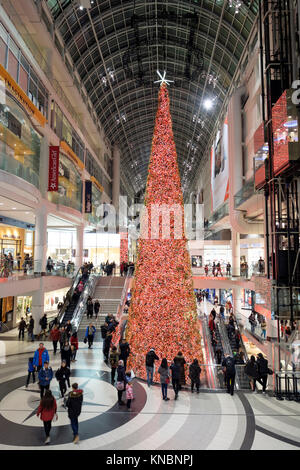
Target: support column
{"points": [[37, 310], [40, 240], [79, 246], [237, 299], [116, 177], [236, 252]]}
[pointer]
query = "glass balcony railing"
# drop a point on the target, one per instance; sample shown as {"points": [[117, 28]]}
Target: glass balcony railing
{"points": [[244, 193], [223, 211], [13, 166], [57, 198]]}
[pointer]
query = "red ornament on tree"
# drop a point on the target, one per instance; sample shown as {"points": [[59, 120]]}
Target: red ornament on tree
{"points": [[163, 312]]}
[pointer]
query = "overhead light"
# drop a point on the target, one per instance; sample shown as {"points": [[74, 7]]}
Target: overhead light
{"points": [[208, 103], [81, 7], [1, 203], [26, 212], [14, 208]]}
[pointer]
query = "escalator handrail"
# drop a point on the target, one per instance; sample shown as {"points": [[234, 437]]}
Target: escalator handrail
{"points": [[207, 341], [82, 301], [70, 295]]}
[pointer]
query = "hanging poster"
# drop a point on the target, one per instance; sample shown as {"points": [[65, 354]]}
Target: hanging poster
{"points": [[88, 197], [220, 168], [53, 168]]}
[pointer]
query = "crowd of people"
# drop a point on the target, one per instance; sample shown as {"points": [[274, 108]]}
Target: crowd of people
{"points": [[126, 268]]}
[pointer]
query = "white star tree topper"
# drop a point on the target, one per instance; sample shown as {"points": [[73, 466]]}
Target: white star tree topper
{"points": [[163, 78]]}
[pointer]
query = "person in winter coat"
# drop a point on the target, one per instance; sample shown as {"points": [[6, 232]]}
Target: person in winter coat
{"points": [[66, 353], [55, 337], [63, 337], [113, 359], [106, 345], [104, 330], [89, 334], [68, 328], [179, 359], [47, 411], [45, 377], [150, 358], [194, 374], [229, 370], [96, 308], [124, 351], [251, 369], [43, 325], [30, 329], [263, 369], [31, 371], [164, 373], [41, 356], [121, 381], [175, 370], [62, 376], [74, 405], [89, 308], [74, 345], [129, 393], [22, 326]]}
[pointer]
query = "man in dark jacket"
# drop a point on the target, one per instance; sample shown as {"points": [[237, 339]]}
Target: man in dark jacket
{"points": [[22, 326], [106, 345], [62, 376], [104, 329], [30, 329], [124, 351], [175, 369], [74, 404], [150, 358], [229, 371], [262, 364]]}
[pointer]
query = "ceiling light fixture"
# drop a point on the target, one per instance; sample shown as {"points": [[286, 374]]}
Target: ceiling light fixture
{"points": [[208, 103]]}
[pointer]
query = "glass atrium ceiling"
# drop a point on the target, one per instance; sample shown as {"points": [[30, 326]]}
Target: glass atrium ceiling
{"points": [[118, 45]]}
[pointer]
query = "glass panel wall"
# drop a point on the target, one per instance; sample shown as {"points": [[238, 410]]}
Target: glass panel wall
{"points": [[19, 142]]}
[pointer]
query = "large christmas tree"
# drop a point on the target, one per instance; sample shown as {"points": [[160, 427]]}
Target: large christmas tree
{"points": [[163, 313]]}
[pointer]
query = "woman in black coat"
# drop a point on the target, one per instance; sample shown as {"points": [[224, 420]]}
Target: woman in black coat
{"points": [[194, 374], [251, 369], [179, 359], [121, 381], [66, 353]]}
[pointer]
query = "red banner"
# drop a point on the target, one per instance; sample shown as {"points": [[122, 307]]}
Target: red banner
{"points": [[53, 168]]}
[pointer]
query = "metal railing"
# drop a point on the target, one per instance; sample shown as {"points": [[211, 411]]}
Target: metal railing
{"points": [[82, 302], [287, 385]]}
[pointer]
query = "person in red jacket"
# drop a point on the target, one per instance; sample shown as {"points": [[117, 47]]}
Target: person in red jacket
{"points": [[74, 345], [47, 410], [55, 337]]}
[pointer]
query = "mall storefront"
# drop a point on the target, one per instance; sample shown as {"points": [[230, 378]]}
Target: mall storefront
{"points": [[16, 241]]}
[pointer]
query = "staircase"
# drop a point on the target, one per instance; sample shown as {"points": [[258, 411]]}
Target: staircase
{"points": [[109, 292]]}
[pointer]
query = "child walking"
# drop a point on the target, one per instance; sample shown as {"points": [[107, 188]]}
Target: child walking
{"points": [[129, 390], [31, 370]]}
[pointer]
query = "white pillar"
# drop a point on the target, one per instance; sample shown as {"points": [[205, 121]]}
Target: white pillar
{"points": [[236, 252], [237, 299], [40, 242], [79, 246], [37, 310], [116, 177]]}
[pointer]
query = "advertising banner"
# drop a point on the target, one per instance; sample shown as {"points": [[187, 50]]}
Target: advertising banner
{"points": [[88, 197], [53, 168], [220, 168]]}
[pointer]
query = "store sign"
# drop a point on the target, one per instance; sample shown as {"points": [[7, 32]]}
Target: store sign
{"points": [[88, 197], [53, 168]]}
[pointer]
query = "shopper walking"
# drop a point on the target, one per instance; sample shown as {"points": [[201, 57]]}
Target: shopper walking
{"points": [[150, 358], [62, 376], [106, 346], [113, 359], [124, 351], [229, 372], [121, 381], [74, 405], [251, 369], [164, 373], [41, 356], [89, 308], [263, 371], [55, 337], [96, 308], [43, 325], [22, 326], [175, 370], [90, 334], [31, 371], [74, 345], [194, 374], [66, 353], [129, 393], [45, 377], [47, 411], [30, 329], [179, 359]]}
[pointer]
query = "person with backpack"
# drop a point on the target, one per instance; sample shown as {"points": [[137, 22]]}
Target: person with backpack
{"points": [[150, 358], [263, 371], [47, 410], [22, 326], [31, 371], [43, 325], [113, 359], [62, 376], [194, 374], [251, 369], [74, 405], [228, 365], [45, 377], [164, 373]]}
